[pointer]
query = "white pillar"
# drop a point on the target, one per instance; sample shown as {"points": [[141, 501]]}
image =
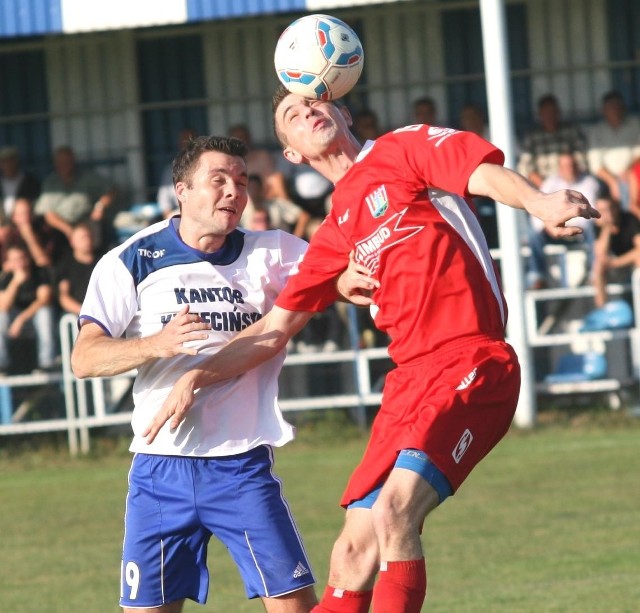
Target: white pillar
{"points": [[495, 49]]}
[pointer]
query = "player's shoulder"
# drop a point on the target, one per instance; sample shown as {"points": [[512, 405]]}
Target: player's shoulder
{"points": [[152, 242], [145, 235], [420, 133]]}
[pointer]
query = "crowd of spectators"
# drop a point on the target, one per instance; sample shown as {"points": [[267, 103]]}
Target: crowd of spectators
{"points": [[54, 228], [51, 233]]}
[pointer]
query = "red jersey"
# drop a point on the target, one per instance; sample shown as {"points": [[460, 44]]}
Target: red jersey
{"points": [[403, 208]]}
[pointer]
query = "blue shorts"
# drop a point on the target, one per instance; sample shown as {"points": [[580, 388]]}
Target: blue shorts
{"points": [[419, 462], [175, 504]]}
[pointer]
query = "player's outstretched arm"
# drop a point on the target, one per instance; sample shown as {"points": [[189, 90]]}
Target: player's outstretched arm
{"points": [[554, 209], [254, 345], [96, 354]]}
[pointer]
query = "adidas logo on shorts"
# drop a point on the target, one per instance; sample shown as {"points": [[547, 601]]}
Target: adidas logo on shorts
{"points": [[300, 570]]}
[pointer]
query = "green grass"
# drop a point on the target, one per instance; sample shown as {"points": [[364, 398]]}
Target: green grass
{"points": [[549, 522]]}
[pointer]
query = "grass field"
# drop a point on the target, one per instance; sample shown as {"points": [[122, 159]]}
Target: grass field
{"points": [[550, 522]]}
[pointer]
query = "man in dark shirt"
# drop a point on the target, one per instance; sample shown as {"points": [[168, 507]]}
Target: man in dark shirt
{"points": [[15, 184], [25, 302], [617, 247], [74, 271]]}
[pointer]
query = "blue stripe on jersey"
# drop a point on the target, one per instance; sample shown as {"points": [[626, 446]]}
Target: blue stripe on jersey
{"points": [[165, 248]]}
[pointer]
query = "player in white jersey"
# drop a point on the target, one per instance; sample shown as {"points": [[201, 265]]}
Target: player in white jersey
{"points": [[162, 302]]}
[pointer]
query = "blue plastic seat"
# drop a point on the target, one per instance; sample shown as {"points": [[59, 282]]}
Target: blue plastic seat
{"points": [[579, 367], [613, 315]]}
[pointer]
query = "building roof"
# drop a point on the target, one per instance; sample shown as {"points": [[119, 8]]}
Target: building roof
{"points": [[46, 17]]}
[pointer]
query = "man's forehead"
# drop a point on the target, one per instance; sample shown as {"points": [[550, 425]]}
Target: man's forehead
{"points": [[290, 100], [217, 160]]}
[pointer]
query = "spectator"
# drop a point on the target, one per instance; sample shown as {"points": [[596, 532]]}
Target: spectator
{"points": [[75, 269], [544, 142], [25, 228], [167, 199], [259, 221], [617, 247], [261, 161], [425, 111], [366, 125], [25, 305], [569, 176], [311, 192], [634, 188], [472, 119], [282, 214], [614, 143], [326, 331], [70, 195], [14, 183]]}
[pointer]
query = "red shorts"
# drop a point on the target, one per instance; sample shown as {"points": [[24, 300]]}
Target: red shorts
{"points": [[455, 406]]}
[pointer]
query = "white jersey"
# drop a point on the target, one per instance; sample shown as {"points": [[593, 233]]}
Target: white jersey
{"points": [[140, 285]]}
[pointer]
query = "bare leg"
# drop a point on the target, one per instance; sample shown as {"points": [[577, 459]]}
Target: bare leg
{"points": [[172, 607], [398, 514], [300, 601], [355, 559]]}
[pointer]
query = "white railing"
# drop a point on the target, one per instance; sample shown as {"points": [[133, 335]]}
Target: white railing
{"points": [[89, 403], [92, 403]]}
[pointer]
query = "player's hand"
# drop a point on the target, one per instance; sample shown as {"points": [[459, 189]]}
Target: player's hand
{"points": [[174, 408], [556, 208], [182, 328], [356, 284]]}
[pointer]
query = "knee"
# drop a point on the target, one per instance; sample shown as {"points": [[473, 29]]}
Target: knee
{"points": [[356, 551], [392, 519]]}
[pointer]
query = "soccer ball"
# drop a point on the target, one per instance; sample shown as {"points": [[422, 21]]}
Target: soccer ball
{"points": [[319, 56]]}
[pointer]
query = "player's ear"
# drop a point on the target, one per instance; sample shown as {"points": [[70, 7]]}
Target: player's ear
{"points": [[346, 114], [292, 156], [181, 187]]}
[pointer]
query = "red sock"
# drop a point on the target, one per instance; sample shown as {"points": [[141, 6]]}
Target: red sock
{"points": [[401, 587], [335, 600]]}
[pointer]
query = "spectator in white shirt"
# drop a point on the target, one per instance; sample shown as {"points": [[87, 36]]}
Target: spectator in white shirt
{"points": [[569, 176], [614, 143]]}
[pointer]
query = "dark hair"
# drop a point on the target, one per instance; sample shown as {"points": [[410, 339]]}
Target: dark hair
{"points": [[18, 244], [612, 96], [186, 162], [426, 100], [547, 99], [278, 96], [84, 225]]}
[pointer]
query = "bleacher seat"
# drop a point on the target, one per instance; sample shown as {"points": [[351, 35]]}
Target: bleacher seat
{"points": [[614, 315], [573, 367], [137, 217]]}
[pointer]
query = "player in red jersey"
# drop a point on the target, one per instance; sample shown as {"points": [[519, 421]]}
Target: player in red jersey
{"points": [[401, 207]]}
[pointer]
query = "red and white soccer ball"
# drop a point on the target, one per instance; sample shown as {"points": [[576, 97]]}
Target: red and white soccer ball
{"points": [[319, 56]]}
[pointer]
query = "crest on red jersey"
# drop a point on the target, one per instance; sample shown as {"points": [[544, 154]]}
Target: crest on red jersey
{"points": [[378, 202]]}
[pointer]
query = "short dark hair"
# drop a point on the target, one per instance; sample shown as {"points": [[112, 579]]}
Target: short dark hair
{"points": [[613, 96], [278, 96], [426, 101], [186, 162], [547, 99]]}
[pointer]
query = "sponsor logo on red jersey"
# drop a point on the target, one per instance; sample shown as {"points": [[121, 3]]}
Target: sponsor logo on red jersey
{"points": [[390, 233]]}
